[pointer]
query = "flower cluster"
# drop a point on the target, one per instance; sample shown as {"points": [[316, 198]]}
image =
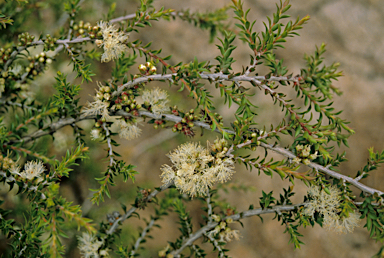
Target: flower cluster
{"points": [[195, 168], [225, 233], [156, 100], [165, 251], [304, 154], [147, 69], [86, 28], [113, 217], [113, 42], [95, 134], [89, 246], [32, 169], [187, 122], [128, 130], [101, 104], [327, 204], [127, 102], [6, 162]]}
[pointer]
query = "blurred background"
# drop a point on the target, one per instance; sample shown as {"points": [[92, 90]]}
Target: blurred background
{"points": [[352, 31]]}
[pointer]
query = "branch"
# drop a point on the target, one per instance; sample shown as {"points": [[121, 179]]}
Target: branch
{"points": [[60, 42], [249, 213], [216, 245], [176, 119], [325, 170], [51, 128], [213, 77], [141, 238], [133, 209]]}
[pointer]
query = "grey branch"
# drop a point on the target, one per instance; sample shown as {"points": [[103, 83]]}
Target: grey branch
{"points": [[142, 236], [133, 209], [51, 128], [249, 213], [176, 119], [213, 77]]}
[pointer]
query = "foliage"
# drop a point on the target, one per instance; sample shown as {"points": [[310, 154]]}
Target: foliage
{"points": [[50, 224]]}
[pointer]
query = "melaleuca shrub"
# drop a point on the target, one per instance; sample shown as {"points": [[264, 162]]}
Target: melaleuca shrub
{"points": [[59, 144]]}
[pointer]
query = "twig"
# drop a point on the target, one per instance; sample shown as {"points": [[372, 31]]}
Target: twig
{"points": [[249, 213], [133, 209], [216, 244], [142, 236], [63, 122], [213, 77], [209, 205]]}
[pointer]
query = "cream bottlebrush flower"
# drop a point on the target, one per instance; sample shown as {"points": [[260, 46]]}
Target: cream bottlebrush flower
{"points": [[128, 131], [89, 246], [195, 170], [189, 172], [328, 206], [349, 223], [100, 105], [32, 169], [112, 43], [95, 134], [296, 160], [158, 100], [306, 151], [6, 162], [16, 70], [343, 225], [15, 169], [225, 233], [322, 202], [228, 234], [224, 169]]}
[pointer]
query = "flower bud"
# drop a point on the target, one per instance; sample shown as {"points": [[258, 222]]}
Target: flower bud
{"points": [[229, 220], [107, 96], [153, 69], [98, 42]]}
